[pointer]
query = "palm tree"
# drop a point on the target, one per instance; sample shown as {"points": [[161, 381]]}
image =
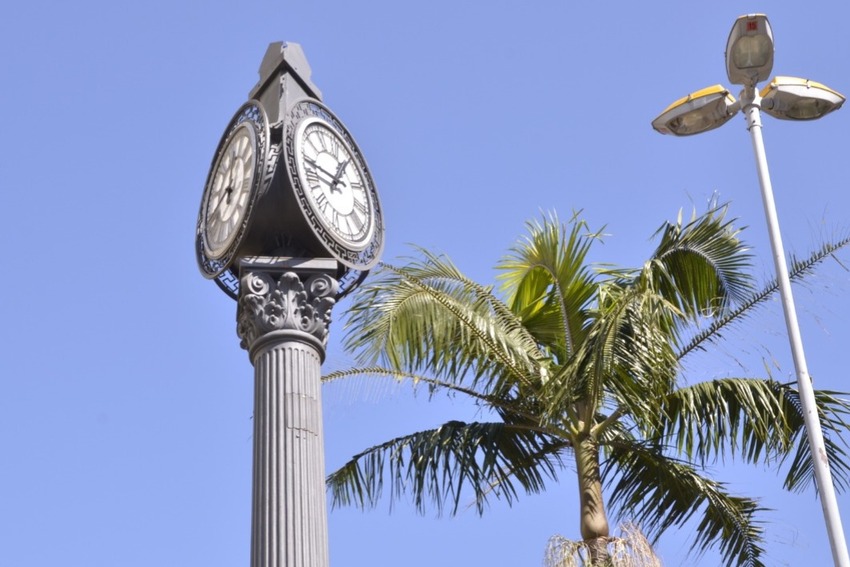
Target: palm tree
{"points": [[585, 364]]}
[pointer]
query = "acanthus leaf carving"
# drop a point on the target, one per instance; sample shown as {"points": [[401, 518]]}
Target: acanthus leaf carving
{"points": [[283, 301]]}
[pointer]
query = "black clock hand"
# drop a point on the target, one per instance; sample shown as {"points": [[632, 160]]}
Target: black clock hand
{"points": [[226, 195], [315, 164], [228, 191], [339, 171]]}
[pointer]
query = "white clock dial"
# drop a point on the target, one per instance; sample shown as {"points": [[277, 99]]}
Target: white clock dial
{"points": [[334, 183], [230, 190]]}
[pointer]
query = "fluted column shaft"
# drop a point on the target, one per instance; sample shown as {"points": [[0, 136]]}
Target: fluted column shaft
{"points": [[289, 518], [283, 320]]}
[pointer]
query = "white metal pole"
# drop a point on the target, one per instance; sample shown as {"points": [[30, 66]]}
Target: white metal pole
{"points": [[820, 462]]}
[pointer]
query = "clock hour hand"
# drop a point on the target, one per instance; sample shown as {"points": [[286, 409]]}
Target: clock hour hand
{"points": [[228, 192], [339, 171]]}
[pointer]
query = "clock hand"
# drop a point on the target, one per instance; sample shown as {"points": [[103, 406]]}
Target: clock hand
{"points": [[339, 171], [315, 164], [226, 195]]}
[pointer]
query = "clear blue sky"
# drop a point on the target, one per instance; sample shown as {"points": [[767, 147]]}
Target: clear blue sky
{"points": [[125, 411]]}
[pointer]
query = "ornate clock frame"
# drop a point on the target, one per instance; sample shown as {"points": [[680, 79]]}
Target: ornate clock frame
{"points": [[280, 223]]}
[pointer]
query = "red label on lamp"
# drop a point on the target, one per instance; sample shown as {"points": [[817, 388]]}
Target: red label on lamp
{"points": [[752, 26]]}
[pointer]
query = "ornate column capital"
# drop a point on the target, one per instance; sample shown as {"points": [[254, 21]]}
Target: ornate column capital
{"points": [[284, 298]]}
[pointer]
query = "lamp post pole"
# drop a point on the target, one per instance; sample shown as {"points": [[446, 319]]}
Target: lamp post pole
{"points": [[751, 102], [749, 60]]}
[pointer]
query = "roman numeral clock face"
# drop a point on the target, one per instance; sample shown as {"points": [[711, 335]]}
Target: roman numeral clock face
{"points": [[229, 190], [241, 172], [334, 183]]}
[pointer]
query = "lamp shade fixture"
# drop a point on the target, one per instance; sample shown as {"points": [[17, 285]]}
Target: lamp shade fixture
{"points": [[698, 112], [791, 98], [749, 50]]}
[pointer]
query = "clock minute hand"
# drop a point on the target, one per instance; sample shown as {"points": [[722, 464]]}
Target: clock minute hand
{"points": [[315, 164], [225, 196]]}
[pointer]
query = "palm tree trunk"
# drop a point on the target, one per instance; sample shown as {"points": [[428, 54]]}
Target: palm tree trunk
{"points": [[594, 521]]}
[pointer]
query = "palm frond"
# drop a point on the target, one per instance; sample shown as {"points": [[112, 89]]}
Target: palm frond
{"points": [[659, 492], [437, 267], [759, 421], [548, 283], [832, 413], [702, 266], [438, 465], [626, 355], [422, 318], [744, 417], [510, 408], [799, 268]]}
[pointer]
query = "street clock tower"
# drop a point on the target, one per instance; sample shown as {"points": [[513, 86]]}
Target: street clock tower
{"points": [[289, 222]]}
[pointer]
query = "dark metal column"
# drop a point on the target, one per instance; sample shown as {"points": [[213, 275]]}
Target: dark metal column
{"points": [[283, 318]]}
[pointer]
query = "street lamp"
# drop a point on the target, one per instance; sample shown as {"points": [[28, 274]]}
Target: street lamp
{"points": [[698, 112], [749, 61], [790, 98]]}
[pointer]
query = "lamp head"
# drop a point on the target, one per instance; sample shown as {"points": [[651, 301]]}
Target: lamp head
{"points": [[749, 50], [698, 112], [791, 98]]}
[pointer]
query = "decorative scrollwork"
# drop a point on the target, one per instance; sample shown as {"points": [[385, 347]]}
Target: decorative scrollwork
{"points": [[348, 281], [267, 304], [228, 281]]}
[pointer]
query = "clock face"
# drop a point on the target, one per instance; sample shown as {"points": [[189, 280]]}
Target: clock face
{"points": [[229, 190], [242, 171], [334, 183]]}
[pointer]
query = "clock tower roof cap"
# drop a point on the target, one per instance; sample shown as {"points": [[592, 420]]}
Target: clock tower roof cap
{"points": [[280, 57]]}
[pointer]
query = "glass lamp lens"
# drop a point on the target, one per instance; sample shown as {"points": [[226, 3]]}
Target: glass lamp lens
{"points": [[692, 122], [751, 51], [807, 109]]}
